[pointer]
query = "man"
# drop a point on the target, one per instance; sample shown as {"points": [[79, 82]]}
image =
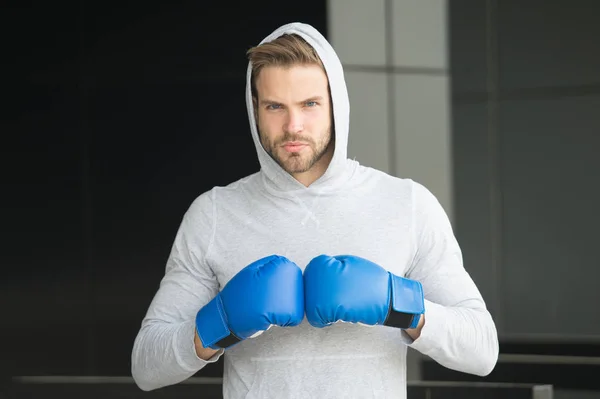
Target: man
{"points": [[313, 276]]}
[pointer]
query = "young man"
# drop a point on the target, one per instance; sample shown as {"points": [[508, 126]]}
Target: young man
{"points": [[314, 275]]}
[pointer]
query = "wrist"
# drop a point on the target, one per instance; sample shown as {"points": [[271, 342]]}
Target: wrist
{"points": [[416, 332], [202, 352]]}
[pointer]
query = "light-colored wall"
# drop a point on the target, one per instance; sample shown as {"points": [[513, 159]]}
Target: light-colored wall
{"points": [[395, 56]]}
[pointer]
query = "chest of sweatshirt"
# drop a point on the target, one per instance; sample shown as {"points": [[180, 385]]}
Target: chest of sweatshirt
{"points": [[372, 220]]}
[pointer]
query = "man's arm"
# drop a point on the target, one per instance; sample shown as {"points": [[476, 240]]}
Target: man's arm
{"points": [[166, 349], [456, 330]]}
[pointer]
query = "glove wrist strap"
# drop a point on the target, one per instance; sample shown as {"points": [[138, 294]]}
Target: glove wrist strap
{"points": [[400, 319], [407, 303], [212, 326]]}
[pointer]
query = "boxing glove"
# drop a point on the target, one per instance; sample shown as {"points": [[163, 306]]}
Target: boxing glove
{"points": [[355, 290], [267, 292]]}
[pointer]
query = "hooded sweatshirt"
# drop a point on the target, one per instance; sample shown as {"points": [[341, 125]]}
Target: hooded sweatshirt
{"points": [[351, 209]]}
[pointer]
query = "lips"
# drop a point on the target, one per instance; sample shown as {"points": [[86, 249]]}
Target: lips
{"points": [[294, 146]]}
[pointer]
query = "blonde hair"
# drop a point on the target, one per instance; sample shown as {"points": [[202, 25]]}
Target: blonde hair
{"points": [[285, 51]]}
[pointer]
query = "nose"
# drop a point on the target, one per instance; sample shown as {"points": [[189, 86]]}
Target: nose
{"points": [[294, 122]]}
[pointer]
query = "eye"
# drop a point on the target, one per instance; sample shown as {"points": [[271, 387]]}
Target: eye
{"points": [[273, 106], [311, 103]]}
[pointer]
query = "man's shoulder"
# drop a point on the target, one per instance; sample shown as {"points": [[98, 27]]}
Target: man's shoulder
{"points": [[218, 192], [409, 190], [386, 179]]}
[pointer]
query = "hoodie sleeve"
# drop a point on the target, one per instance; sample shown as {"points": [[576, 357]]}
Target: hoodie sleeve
{"points": [[459, 332], [163, 351]]}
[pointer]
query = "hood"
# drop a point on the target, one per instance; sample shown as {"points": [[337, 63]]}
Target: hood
{"points": [[276, 177]]}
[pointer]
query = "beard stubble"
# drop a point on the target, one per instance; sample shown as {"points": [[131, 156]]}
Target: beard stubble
{"points": [[297, 162]]}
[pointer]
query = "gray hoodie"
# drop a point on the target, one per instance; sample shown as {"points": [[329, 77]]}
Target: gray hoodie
{"points": [[351, 209]]}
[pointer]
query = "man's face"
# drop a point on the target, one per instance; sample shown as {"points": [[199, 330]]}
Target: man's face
{"points": [[293, 113]]}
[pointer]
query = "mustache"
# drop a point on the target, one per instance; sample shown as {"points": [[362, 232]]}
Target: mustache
{"points": [[294, 137]]}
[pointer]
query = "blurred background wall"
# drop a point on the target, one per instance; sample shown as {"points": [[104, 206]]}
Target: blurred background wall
{"points": [[117, 115]]}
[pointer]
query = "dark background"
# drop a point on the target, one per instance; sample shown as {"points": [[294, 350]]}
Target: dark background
{"points": [[117, 115]]}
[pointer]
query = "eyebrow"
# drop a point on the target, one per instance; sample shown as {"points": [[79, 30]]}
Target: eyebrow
{"points": [[269, 102]]}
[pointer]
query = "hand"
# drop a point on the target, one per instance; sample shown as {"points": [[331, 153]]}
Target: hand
{"points": [[267, 292], [352, 289]]}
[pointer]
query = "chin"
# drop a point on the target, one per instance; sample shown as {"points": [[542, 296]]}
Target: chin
{"points": [[294, 167], [295, 163]]}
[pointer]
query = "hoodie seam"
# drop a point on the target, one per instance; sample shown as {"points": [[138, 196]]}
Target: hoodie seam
{"points": [[213, 198], [413, 232]]}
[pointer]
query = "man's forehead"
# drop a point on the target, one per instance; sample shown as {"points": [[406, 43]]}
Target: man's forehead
{"points": [[306, 81], [292, 72]]}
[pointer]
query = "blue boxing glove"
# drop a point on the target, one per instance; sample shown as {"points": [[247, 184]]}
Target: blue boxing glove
{"points": [[267, 292], [354, 290]]}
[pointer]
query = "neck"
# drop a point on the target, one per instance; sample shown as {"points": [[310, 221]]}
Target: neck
{"points": [[307, 178]]}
